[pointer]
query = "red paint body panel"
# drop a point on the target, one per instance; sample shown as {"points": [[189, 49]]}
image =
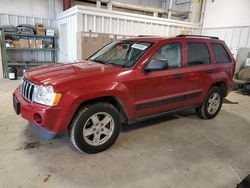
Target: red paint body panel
{"points": [[79, 82], [48, 114]]}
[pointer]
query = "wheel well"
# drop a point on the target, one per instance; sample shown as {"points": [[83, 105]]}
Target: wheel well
{"points": [[109, 99], [221, 85]]}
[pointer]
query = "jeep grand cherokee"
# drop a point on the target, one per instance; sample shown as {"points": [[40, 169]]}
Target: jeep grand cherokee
{"points": [[125, 82]]}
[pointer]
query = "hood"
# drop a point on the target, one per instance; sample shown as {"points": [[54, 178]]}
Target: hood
{"points": [[59, 72]]}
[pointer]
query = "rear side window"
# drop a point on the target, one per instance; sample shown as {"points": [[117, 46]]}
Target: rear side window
{"points": [[221, 55], [198, 54]]}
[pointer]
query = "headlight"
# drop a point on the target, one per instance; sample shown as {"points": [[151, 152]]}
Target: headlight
{"points": [[45, 95]]}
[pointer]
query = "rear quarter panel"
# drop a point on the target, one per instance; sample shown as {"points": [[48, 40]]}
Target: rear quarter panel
{"points": [[224, 71]]}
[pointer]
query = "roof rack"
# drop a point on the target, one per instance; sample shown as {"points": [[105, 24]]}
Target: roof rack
{"points": [[201, 36], [148, 36]]}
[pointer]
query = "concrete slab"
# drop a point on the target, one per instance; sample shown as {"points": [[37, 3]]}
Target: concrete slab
{"points": [[177, 151]]}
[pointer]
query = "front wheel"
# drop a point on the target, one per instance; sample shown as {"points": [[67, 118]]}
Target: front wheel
{"points": [[95, 128], [212, 104]]}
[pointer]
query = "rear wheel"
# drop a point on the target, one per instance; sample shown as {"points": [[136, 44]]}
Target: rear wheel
{"points": [[95, 128], [212, 104]]}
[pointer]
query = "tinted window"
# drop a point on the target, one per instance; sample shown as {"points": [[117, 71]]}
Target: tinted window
{"points": [[198, 54], [171, 53], [221, 55]]}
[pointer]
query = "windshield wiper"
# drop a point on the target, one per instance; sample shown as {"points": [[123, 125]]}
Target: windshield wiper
{"points": [[100, 61], [107, 63], [118, 65]]}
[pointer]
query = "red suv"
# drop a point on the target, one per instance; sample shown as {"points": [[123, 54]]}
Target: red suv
{"points": [[125, 82]]}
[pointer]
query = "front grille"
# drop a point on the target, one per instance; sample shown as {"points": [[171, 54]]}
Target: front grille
{"points": [[27, 89]]}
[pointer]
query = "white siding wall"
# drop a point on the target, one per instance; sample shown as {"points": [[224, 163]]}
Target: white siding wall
{"points": [[229, 20], [14, 20], [235, 37], [47, 9], [226, 13], [67, 41], [82, 18]]}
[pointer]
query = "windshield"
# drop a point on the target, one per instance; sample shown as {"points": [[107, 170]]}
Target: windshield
{"points": [[121, 53]]}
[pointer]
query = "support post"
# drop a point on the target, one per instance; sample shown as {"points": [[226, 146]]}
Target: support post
{"points": [[170, 9], [109, 5], [98, 4]]}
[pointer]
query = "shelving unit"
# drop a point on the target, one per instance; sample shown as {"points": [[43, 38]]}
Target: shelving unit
{"points": [[22, 57]]}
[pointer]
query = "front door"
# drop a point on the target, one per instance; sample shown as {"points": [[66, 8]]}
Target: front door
{"points": [[159, 91]]}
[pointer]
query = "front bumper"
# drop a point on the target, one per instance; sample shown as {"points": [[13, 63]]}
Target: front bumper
{"points": [[44, 116]]}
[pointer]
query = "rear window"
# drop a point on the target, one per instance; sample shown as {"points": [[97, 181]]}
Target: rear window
{"points": [[198, 54], [221, 55]]}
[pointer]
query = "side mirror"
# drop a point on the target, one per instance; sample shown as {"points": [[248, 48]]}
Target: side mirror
{"points": [[156, 65]]}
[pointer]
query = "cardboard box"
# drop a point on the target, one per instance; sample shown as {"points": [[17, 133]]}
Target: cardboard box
{"points": [[85, 44], [101, 41], [111, 38], [90, 42], [121, 37], [186, 32], [39, 43], [40, 29], [50, 32], [24, 43], [16, 43], [40, 32], [32, 43], [47, 44]]}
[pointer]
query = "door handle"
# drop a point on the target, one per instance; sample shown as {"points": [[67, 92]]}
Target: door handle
{"points": [[210, 71], [178, 76]]}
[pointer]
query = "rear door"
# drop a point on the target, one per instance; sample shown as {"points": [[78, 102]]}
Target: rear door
{"points": [[200, 71]]}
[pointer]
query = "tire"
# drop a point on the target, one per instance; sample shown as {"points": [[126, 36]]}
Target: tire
{"points": [[95, 128], [210, 108]]}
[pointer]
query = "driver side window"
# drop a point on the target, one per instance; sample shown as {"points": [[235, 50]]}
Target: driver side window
{"points": [[171, 53]]}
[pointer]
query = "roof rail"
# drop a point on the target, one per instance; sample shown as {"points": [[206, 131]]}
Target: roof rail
{"points": [[148, 36], [201, 36]]}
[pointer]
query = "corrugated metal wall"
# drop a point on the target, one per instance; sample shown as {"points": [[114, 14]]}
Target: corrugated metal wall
{"points": [[67, 29], [14, 20], [235, 37], [131, 26], [82, 18], [114, 22]]}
